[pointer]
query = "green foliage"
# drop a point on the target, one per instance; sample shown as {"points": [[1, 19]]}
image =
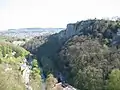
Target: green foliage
{"points": [[35, 63], [36, 71], [89, 79], [7, 49], [48, 65], [35, 78], [35, 68], [85, 58], [10, 58], [88, 62], [11, 54], [34, 43], [35, 82], [50, 82], [10, 80], [20, 51], [114, 80]]}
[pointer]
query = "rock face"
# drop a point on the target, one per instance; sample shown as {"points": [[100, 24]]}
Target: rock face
{"points": [[116, 39], [98, 28], [59, 86], [70, 31], [26, 74]]}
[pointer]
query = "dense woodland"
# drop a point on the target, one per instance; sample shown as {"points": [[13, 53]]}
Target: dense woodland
{"points": [[34, 43], [89, 59], [86, 57]]}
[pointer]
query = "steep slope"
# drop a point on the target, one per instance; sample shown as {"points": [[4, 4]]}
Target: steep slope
{"points": [[87, 63], [34, 43], [16, 73], [89, 56], [103, 30], [83, 49]]}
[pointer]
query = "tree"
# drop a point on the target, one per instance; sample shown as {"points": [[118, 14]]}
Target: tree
{"points": [[35, 63], [48, 65], [4, 51], [89, 78], [50, 82], [35, 69], [114, 80]]}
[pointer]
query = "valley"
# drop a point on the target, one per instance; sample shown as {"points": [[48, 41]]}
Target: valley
{"points": [[84, 56]]}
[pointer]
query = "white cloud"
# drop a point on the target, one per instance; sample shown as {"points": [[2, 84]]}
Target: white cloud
{"points": [[53, 13]]}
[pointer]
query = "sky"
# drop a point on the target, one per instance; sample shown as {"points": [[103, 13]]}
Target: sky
{"points": [[53, 13]]}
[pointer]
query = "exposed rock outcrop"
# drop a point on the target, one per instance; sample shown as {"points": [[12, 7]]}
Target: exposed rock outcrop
{"points": [[59, 86], [26, 74], [70, 31]]}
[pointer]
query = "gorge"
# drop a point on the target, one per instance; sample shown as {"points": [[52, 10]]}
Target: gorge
{"points": [[84, 56]]}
